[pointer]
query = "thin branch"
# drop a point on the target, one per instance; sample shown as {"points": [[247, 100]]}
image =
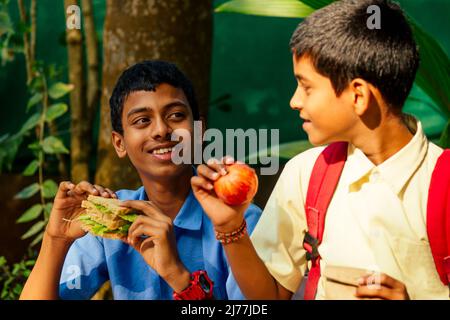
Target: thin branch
{"points": [[26, 42], [33, 32], [93, 87]]}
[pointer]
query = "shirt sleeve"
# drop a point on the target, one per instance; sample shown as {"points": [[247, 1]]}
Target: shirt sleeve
{"points": [[278, 236], [84, 270], [252, 216]]}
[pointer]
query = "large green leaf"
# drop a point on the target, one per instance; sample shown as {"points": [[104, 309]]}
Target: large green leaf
{"points": [[278, 8], [432, 76], [31, 214], [285, 150], [444, 141]]}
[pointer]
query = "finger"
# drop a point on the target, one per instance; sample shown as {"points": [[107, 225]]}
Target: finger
{"points": [[228, 160], [211, 173], [85, 187], [381, 292], [112, 194], [64, 188], [217, 166], [146, 207], [200, 183], [102, 191], [136, 237], [380, 279], [144, 220]]}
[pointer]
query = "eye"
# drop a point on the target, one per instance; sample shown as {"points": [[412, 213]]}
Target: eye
{"points": [[141, 121], [177, 116]]}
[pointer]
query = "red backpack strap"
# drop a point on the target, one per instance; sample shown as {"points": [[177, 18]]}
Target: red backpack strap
{"points": [[322, 184], [438, 216]]}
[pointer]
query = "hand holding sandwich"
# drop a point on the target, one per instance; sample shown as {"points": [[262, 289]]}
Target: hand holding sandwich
{"points": [[67, 207], [158, 246]]}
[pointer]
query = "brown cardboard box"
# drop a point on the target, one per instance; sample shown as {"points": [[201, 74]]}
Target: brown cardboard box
{"points": [[340, 283]]}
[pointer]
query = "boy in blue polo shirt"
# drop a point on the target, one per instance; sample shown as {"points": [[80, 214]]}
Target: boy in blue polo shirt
{"points": [[151, 100]]}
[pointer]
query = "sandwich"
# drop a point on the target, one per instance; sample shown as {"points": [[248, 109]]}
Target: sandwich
{"points": [[105, 217]]}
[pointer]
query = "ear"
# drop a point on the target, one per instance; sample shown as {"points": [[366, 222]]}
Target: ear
{"points": [[361, 94], [118, 143]]}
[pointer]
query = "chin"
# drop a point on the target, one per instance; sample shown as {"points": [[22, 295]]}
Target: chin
{"points": [[168, 171]]}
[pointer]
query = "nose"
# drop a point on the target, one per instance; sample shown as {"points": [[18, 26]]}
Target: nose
{"points": [[296, 102], [161, 130]]}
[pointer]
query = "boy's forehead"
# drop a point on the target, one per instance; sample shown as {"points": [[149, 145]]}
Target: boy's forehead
{"points": [[162, 95], [304, 67]]}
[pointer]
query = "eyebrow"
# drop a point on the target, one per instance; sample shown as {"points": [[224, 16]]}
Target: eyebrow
{"points": [[172, 104], [300, 77]]}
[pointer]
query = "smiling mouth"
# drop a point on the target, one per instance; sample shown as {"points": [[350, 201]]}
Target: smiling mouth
{"points": [[161, 151]]}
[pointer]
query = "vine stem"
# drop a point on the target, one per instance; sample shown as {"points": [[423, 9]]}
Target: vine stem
{"points": [[41, 139]]}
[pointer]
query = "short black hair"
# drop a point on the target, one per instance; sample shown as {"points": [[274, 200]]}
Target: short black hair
{"points": [[147, 75], [342, 47]]}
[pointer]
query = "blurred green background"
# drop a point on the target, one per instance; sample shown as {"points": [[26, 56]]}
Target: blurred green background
{"points": [[251, 70]]}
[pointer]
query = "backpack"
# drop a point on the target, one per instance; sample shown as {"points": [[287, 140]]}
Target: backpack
{"points": [[324, 179]]}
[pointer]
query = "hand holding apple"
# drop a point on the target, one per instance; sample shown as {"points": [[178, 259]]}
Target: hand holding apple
{"points": [[225, 190]]}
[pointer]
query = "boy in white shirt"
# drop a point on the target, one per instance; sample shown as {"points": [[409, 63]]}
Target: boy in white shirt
{"points": [[352, 84]]}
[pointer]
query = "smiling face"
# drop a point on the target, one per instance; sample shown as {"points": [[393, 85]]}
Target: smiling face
{"points": [[148, 120], [328, 118]]}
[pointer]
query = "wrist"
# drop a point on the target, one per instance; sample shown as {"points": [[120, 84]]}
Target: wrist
{"points": [[230, 226], [57, 240], [178, 278]]}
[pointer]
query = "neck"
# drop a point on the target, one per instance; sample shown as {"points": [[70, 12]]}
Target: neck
{"points": [[383, 141], [169, 194]]}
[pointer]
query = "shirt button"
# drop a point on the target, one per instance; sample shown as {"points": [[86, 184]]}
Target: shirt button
{"points": [[375, 176]]}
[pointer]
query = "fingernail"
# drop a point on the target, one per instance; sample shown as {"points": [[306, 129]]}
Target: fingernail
{"points": [[210, 186], [215, 175], [223, 171]]}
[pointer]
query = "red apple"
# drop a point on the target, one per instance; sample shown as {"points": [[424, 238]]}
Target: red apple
{"points": [[238, 186]]}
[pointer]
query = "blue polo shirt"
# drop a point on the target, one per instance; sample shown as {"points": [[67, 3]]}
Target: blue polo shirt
{"points": [[93, 260]]}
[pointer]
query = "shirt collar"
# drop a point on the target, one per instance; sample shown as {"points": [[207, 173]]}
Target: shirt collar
{"points": [[396, 170], [190, 215]]}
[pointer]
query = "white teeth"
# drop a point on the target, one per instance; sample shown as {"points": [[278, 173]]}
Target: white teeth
{"points": [[161, 151]]}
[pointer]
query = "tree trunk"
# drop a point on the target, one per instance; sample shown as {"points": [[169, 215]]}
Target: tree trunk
{"points": [[179, 31], [79, 139]]}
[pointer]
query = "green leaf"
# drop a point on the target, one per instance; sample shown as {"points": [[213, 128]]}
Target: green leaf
{"points": [[31, 168], [28, 191], [53, 145], [432, 75], [59, 90], [5, 24], [30, 123], [285, 150], [8, 150], [33, 230], [55, 111], [444, 141], [278, 8], [31, 214], [35, 99], [49, 188], [37, 239]]}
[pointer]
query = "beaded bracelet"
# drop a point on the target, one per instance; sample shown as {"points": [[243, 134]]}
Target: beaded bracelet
{"points": [[233, 236]]}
